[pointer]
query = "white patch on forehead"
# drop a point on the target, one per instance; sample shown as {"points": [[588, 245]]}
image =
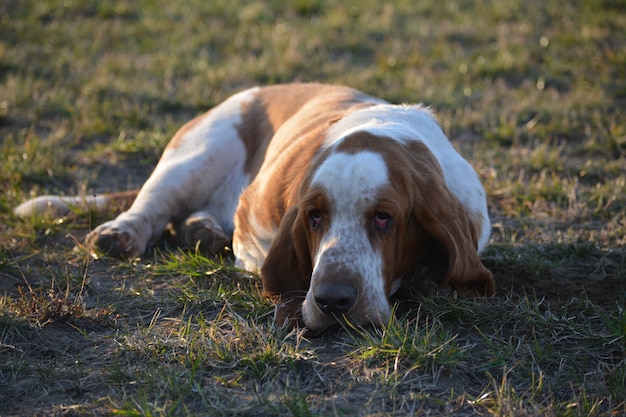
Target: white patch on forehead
{"points": [[347, 177]]}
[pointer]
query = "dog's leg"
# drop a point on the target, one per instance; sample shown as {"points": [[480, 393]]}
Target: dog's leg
{"points": [[202, 169]]}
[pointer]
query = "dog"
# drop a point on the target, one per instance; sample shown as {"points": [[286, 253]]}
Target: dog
{"points": [[335, 197]]}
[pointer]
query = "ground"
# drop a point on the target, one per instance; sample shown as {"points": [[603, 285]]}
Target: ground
{"points": [[531, 92]]}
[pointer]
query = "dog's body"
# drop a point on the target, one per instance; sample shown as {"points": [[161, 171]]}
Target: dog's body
{"points": [[333, 195]]}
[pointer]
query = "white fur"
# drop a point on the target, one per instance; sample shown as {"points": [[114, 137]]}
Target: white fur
{"points": [[351, 182]]}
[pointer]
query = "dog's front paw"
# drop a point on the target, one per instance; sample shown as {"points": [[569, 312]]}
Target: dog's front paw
{"points": [[202, 229], [115, 239]]}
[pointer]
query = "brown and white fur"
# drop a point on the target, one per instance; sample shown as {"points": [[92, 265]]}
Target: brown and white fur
{"points": [[334, 196]]}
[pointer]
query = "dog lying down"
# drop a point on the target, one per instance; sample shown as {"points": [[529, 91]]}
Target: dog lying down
{"points": [[335, 197]]}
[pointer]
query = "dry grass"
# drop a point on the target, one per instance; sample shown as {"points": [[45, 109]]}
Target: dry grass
{"points": [[532, 92]]}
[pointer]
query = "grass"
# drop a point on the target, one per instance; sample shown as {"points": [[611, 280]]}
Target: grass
{"points": [[532, 92]]}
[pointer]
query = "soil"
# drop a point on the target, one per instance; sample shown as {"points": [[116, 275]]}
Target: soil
{"points": [[76, 361]]}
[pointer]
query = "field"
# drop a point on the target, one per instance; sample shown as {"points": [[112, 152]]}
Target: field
{"points": [[532, 92]]}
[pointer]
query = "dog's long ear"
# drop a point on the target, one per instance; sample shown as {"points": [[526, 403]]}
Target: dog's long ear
{"points": [[286, 272], [454, 256]]}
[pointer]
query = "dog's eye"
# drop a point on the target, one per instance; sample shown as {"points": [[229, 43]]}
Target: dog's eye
{"points": [[382, 220], [315, 218]]}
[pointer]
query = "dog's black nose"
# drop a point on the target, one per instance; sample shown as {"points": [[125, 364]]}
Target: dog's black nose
{"points": [[335, 299]]}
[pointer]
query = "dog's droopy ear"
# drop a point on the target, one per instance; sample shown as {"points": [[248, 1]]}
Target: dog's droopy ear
{"points": [[286, 272], [446, 220]]}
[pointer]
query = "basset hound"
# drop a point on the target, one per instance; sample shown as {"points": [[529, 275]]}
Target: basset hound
{"points": [[334, 196]]}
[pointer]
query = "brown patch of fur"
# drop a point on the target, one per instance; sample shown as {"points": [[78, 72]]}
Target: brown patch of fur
{"points": [[272, 107], [299, 116], [450, 224]]}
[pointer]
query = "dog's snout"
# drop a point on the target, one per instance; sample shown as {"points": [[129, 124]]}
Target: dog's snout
{"points": [[335, 299]]}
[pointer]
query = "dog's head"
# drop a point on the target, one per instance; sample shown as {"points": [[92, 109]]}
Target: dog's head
{"points": [[370, 209]]}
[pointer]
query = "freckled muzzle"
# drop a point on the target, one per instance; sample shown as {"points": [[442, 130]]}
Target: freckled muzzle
{"points": [[340, 293]]}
